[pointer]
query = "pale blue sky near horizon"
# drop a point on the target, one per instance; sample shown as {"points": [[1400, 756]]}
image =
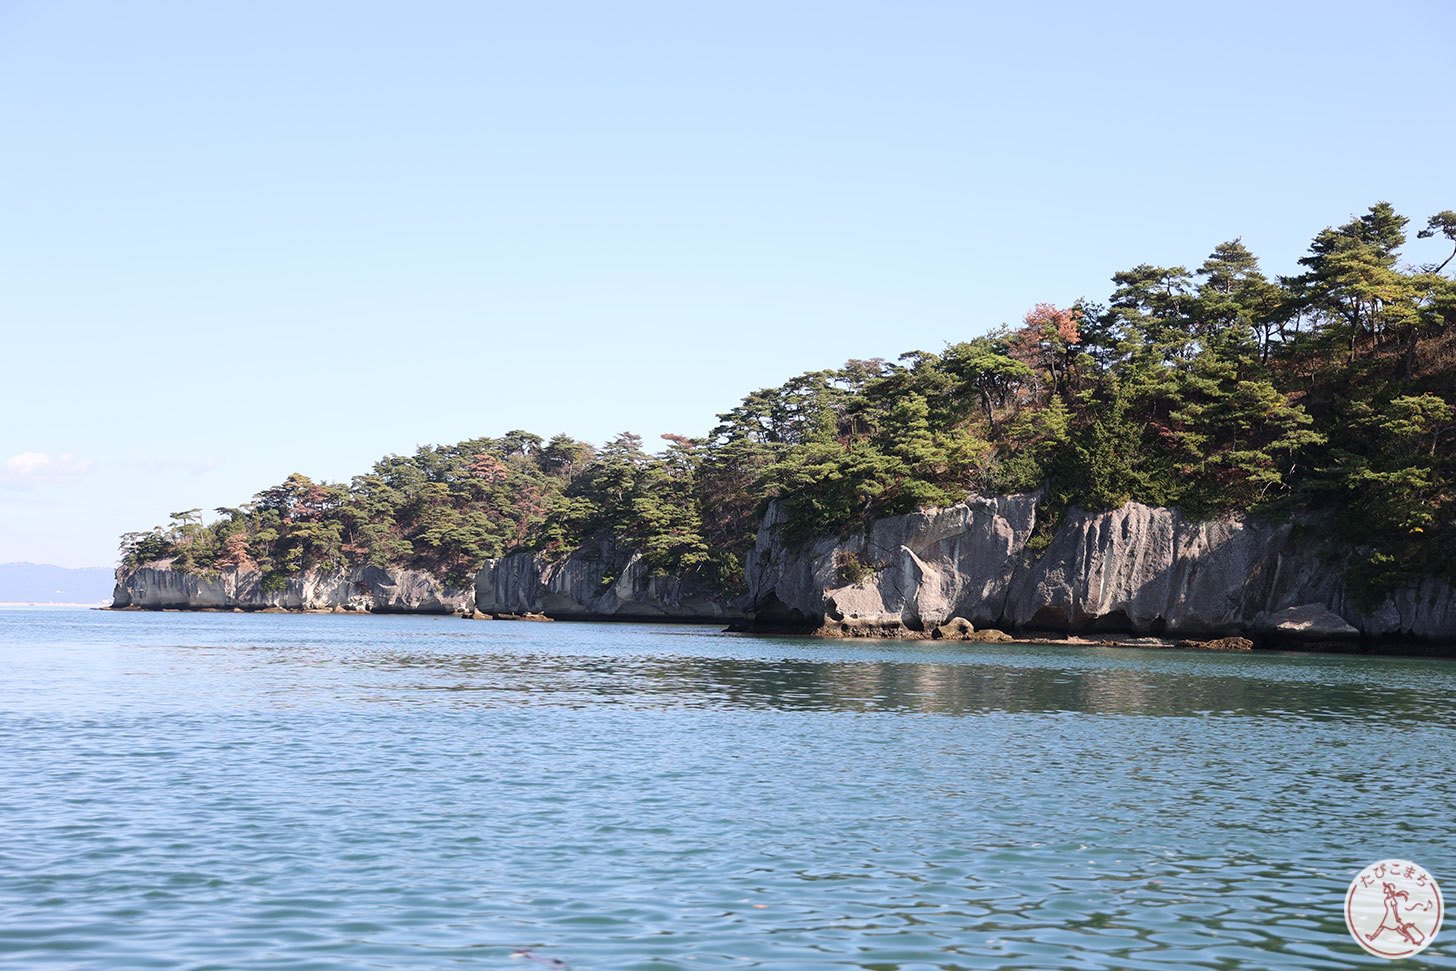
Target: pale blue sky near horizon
{"points": [[242, 240]]}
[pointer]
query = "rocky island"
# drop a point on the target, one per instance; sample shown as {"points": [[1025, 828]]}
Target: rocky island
{"points": [[1133, 570], [1213, 455]]}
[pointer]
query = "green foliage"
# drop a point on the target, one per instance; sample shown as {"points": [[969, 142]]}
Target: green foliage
{"points": [[445, 509], [852, 568], [1329, 392], [651, 503], [1395, 482], [144, 547]]}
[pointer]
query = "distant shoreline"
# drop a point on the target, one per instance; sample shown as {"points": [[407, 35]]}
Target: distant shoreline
{"points": [[46, 603]]}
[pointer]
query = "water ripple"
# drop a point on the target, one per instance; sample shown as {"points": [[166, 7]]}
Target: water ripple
{"points": [[268, 792]]}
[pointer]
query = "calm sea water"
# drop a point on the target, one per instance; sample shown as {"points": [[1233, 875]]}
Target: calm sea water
{"points": [[329, 792]]}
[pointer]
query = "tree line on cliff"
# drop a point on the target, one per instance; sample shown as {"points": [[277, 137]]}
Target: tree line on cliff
{"points": [[1215, 389]]}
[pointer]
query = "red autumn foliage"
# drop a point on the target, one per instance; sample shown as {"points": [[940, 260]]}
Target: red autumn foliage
{"points": [[1045, 345], [235, 551], [1049, 320], [488, 467]]}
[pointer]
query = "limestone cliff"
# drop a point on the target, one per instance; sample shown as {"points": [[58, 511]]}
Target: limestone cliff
{"points": [[1137, 568], [157, 586], [599, 581]]}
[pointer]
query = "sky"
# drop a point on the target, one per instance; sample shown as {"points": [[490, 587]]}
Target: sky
{"points": [[239, 240]]}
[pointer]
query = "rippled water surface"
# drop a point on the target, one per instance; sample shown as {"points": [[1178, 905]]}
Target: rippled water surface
{"points": [[277, 791]]}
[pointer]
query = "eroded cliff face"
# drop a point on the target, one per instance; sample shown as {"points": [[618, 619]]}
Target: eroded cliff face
{"points": [[1138, 568], [599, 581], [156, 586]]}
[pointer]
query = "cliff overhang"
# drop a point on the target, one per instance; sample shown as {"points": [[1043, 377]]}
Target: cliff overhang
{"points": [[1135, 570], [980, 566]]}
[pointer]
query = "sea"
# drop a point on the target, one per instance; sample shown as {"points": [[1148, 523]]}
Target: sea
{"points": [[294, 791]]}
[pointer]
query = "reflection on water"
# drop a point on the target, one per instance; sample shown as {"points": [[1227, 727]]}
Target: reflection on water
{"points": [[974, 683], [189, 791]]}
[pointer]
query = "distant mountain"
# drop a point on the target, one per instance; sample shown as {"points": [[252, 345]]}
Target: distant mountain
{"points": [[42, 583]]}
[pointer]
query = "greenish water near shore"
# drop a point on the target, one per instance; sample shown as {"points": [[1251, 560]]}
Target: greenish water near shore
{"points": [[302, 791]]}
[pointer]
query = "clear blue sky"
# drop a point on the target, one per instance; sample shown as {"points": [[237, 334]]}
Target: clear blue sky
{"points": [[240, 240]]}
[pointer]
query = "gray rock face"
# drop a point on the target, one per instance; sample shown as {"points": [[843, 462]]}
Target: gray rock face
{"points": [[156, 586], [598, 581], [1137, 568], [1308, 621], [929, 566]]}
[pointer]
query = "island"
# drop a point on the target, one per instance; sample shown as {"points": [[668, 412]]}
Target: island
{"points": [[1215, 456]]}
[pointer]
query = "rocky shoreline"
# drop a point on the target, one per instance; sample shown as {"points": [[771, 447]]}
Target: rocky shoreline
{"points": [[1134, 576], [890, 633], [1135, 570], [367, 589]]}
